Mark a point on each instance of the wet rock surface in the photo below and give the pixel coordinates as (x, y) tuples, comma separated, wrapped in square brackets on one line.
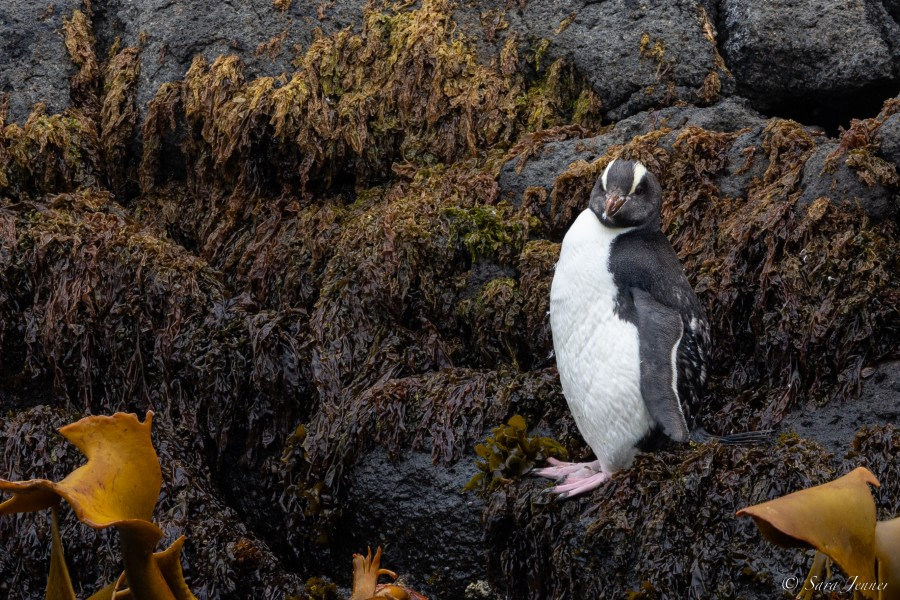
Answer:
[(331, 285)]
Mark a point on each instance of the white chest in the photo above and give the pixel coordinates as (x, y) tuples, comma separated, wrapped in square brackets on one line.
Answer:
[(597, 353)]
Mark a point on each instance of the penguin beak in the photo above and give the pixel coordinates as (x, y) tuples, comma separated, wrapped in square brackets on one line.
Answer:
[(613, 203)]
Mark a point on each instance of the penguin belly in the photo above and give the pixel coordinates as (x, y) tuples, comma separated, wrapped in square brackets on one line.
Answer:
[(597, 353)]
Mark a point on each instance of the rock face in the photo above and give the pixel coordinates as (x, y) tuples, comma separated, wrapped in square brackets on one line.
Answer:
[(33, 63), (330, 276), (266, 34), (823, 54), (636, 55)]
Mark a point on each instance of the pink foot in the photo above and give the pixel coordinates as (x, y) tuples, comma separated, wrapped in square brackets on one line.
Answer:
[(563, 470), (578, 478), (574, 486)]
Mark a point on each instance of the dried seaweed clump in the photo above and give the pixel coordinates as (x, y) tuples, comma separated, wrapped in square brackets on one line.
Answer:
[(49, 153), (408, 86), (509, 453), (657, 529), (87, 145), (861, 145)]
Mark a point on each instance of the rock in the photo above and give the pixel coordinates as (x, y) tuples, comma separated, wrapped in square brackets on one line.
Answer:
[(171, 34), (840, 183), (554, 158), (635, 55), (816, 54), (429, 529), (34, 65), (835, 424), (890, 139), (542, 169)]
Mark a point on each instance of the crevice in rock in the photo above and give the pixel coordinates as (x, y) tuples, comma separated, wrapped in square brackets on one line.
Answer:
[(107, 26), (832, 112)]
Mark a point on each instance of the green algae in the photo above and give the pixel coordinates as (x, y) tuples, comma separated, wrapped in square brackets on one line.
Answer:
[(490, 232)]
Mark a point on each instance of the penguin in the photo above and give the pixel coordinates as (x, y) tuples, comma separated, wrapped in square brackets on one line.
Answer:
[(631, 338)]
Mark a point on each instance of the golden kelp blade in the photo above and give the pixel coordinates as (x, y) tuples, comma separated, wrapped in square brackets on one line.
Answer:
[(366, 570), (837, 518), (120, 481), (887, 550), (107, 593), (59, 585), (168, 562), (118, 486)]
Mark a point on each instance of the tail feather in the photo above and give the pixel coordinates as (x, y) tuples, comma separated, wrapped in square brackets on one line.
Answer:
[(745, 438)]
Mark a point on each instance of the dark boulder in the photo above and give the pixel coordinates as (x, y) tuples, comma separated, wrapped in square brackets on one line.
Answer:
[(826, 60), (417, 511), (833, 179)]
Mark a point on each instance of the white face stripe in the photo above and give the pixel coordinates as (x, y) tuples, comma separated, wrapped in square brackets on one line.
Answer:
[(606, 172), (638, 174)]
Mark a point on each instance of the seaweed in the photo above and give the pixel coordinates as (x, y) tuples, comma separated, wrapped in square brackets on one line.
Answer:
[(656, 530), (87, 82), (508, 454), (860, 143), (406, 90), (51, 153), (118, 120), (88, 145)]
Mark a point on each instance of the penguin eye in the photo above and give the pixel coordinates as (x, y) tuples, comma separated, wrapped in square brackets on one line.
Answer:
[(640, 188)]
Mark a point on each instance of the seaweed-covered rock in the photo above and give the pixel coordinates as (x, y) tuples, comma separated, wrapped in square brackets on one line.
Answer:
[(33, 63), (539, 159), (656, 530), (890, 139), (636, 56), (834, 425), (266, 34), (839, 182), (818, 55)]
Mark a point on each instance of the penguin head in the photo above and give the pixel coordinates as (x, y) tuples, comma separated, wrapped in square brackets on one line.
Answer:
[(626, 195)]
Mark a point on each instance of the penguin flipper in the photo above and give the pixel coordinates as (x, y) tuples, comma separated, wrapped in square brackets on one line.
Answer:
[(660, 330)]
